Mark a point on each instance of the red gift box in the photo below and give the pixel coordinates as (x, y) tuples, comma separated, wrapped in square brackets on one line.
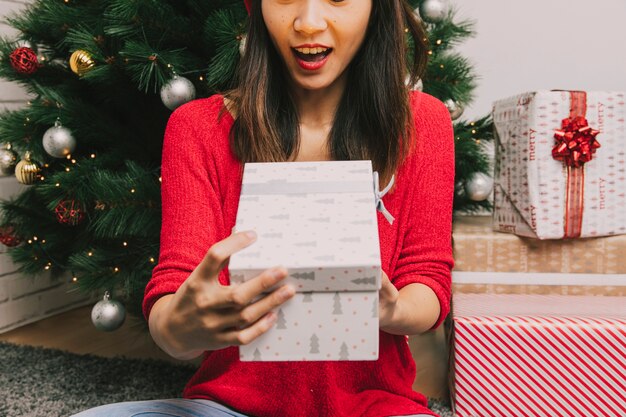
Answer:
[(538, 355)]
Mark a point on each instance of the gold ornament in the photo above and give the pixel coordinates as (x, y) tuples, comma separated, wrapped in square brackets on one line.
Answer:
[(27, 171), (81, 62)]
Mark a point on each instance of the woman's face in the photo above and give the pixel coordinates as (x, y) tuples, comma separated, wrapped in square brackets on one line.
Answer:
[(317, 39)]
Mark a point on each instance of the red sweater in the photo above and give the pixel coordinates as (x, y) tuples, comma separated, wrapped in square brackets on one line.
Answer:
[(201, 183)]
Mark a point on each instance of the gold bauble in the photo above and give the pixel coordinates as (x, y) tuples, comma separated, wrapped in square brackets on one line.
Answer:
[(81, 62), (26, 171)]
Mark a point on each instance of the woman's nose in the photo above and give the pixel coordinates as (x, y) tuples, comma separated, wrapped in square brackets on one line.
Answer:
[(311, 17)]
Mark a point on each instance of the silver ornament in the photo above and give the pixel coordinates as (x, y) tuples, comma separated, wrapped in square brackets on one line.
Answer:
[(177, 91), (479, 186), (455, 109), (242, 45), (44, 53), (418, 86), (434, 11), (108, 315), (60, 63), (8, 160), (23, 43), (58, 141)]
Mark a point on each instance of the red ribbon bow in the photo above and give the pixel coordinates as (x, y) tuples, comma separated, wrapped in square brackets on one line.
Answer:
[(575, 142), (248, 5)]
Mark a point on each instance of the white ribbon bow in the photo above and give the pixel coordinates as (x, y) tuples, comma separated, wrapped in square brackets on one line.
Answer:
[(380, 206)]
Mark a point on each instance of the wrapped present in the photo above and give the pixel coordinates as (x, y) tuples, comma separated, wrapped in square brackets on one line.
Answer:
[(317, 219), (477, 248), (560, 164), (537, 352)]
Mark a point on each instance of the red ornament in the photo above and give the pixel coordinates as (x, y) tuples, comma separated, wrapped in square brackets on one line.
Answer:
[(8, 237), (575, 142), (69, 212), (24, 60)]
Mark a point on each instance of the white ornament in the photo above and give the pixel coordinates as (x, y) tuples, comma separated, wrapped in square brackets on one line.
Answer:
[(418, 86), (455, 109), (8, 160), (108, 315), (177, 91), (434, 11), (58, 141), (479, 186)]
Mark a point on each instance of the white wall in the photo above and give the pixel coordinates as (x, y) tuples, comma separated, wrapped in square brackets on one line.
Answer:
[(526, 45)]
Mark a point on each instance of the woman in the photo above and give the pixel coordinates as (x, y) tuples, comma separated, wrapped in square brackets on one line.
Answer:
[(320, 80)]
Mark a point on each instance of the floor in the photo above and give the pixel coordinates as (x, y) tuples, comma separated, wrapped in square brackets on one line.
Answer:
[(73, 331)]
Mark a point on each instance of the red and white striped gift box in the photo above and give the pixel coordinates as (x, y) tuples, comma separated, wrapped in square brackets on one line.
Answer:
[(539, 355)]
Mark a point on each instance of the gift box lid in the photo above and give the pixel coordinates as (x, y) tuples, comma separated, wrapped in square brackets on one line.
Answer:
[(317, 219)]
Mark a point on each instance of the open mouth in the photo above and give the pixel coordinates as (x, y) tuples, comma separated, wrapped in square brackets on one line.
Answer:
[(317, 54)]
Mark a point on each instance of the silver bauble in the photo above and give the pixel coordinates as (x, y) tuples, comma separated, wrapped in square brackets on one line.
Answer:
[(108, 315), (60, 63), (44, 53), (23, 43), (58, 141), (177, 91), (418, 86), (242, 45), (479, 186), (434, 11), (8, 160), (455, 109)]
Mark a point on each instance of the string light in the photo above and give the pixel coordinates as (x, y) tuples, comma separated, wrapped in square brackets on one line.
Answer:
[(67, 169), (43, 241), (35, 238), (125, 244), (151, 259), (439, 41), (116, 269), (132, 190), (89, 253), (93, 155), (74, 279), (57, 184)]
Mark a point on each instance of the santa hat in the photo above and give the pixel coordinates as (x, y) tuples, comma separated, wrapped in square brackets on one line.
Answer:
[(248, 5)]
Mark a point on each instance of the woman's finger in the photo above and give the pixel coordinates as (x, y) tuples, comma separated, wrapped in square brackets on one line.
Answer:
[(247, 335), (218, 254), (253, 312)]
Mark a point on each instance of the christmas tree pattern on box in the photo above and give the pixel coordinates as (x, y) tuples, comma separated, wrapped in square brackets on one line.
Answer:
[(320, 326)]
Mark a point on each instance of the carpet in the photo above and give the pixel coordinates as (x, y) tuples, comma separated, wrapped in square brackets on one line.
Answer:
[(39, 382)]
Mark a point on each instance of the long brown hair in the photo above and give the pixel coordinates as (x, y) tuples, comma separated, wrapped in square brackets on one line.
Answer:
[(373, 112)]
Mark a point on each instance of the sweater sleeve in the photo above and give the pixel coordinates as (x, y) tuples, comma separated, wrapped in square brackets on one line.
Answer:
[(426, 253), (191, 209)]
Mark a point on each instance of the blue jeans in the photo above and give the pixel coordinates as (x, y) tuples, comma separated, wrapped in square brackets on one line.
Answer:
[(174, 407)]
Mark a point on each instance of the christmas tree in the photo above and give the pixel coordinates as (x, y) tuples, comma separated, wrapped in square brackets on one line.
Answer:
[(104, 77)]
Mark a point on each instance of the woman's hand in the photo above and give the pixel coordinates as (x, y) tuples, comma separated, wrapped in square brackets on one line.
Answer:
[(205, 315), (412, 310)]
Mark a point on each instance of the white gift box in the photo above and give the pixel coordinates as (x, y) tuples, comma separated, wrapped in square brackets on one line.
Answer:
[(539, 196), (318, 220)]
